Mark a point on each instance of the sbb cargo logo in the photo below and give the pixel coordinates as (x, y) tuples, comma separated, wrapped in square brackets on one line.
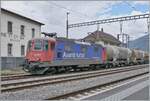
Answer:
[(73, 55)]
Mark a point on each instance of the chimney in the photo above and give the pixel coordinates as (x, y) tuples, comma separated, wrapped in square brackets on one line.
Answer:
[(101, 29), (89, 33)]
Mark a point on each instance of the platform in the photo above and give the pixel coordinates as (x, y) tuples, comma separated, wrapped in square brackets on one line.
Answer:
[(137, 89)]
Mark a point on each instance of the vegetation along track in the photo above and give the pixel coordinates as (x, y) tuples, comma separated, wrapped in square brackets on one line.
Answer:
[(45, 81)]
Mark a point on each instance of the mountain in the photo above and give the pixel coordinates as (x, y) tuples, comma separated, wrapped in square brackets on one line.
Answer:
[(141, 43)]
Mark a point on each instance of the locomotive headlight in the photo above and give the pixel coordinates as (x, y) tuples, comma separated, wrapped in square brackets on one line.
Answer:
[(37, 58), (37, 55)]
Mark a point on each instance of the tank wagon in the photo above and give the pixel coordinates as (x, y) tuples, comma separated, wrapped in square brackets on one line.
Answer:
[(138, 56), (48, 55), (117, 55), (124, 54)]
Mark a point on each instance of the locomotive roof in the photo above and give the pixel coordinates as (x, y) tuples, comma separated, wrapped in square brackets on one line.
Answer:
[(44, 38), (67, 40), (75, 41)]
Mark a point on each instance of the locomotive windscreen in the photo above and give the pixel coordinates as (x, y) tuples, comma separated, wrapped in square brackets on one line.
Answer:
[(37, 45)]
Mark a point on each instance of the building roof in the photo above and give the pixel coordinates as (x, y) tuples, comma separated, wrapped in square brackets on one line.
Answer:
[(5, 10), (102, 36)]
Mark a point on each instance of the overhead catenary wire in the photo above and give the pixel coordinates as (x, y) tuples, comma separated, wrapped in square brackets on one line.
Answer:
[(71, 10), (133, 7)]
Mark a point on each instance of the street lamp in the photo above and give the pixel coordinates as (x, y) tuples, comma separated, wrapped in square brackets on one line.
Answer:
[(67, 25)]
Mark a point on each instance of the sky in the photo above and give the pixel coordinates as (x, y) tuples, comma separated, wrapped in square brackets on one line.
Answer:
[(53, 15)]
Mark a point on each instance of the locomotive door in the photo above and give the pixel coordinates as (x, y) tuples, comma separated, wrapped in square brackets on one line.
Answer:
[(49, 49), (59, 50)]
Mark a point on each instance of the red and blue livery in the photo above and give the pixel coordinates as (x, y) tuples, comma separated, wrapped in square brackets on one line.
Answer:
[(48, 55)]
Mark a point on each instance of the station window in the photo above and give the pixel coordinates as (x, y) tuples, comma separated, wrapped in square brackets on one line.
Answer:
[(29, 45), (9, 49), (22, 50), (33, 32), (9, 27), (22, 27)]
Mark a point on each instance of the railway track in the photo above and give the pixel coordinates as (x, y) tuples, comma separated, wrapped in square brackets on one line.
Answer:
[(21, 76), (13, 86), (81, 94), (15, 77), (26, 76)]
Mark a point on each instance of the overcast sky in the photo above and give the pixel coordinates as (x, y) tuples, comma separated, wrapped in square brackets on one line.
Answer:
[(53, 15)]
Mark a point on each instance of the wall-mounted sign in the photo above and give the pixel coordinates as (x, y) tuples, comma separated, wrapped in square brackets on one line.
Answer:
[(12, 37), (3, 34)]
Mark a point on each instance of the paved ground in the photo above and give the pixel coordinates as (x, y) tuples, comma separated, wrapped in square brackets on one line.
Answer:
[(138, 90), (143, 94)]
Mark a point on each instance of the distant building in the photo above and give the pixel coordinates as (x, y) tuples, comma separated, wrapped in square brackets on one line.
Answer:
[(102, 36), (16, 30)]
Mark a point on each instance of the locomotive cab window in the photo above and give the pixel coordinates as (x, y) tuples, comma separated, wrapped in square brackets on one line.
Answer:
[(46, 45), (37, 45)]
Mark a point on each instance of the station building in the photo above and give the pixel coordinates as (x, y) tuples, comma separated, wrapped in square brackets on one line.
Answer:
[(101, 36), (16, 30)]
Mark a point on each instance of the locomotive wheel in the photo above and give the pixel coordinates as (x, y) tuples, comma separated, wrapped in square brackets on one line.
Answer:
[(90, 67), (109, 66), (97, 67), (51, 71), (67, 69), (106, 66)]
